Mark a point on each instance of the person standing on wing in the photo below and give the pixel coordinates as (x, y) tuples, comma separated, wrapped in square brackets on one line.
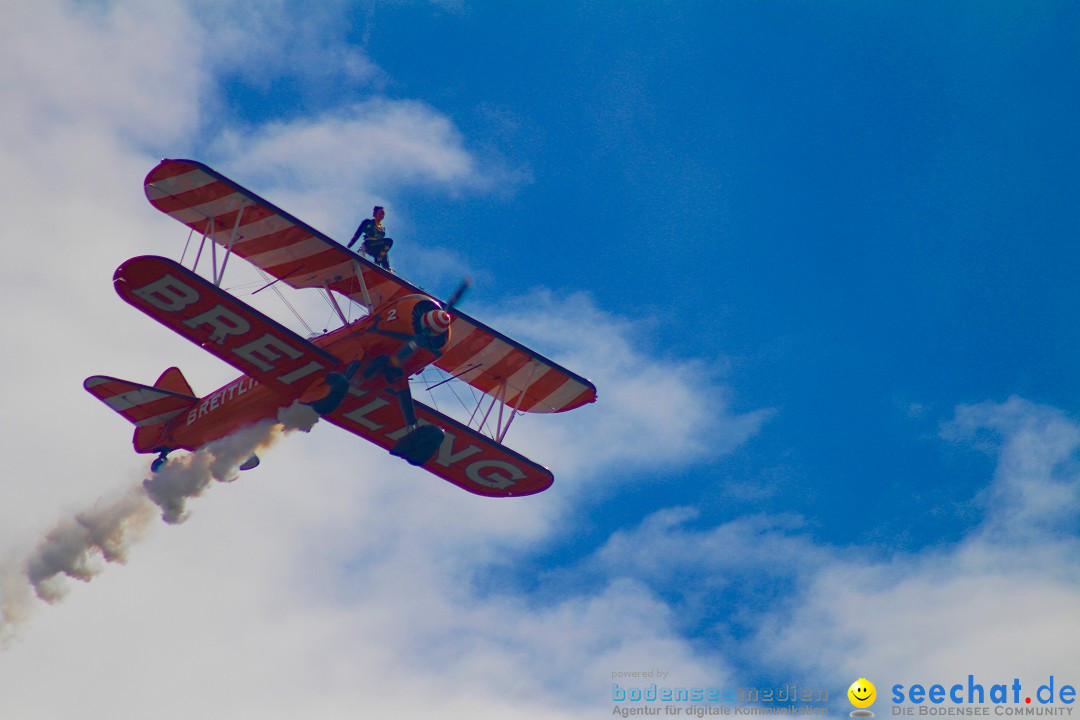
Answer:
[(375, 244)]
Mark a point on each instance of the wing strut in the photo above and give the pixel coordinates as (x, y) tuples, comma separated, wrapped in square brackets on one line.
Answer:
[(496, 397), (187, 245), (363, 285), (454, 377), (202, 244), (514, 410), (334, 302), (509, 404), (219, 275)]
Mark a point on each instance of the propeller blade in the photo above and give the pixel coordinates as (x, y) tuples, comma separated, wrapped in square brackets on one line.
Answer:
[(456, 297)]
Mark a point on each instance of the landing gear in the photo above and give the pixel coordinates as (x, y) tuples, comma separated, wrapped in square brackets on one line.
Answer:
[(420, 445), (338, 384), (423, 441), (159, 461)]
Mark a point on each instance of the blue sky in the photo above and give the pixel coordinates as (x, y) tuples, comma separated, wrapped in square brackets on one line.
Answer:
[(859, 212), (818, 258)]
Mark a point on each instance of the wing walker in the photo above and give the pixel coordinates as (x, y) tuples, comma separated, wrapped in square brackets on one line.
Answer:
[(355, 376)]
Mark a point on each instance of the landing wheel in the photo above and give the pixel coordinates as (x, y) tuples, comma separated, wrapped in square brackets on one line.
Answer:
[(160, 461), (420, 445)]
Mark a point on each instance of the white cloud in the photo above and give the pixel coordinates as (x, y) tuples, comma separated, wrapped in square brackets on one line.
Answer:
[(118, 70), (261, 42), (388, 141), (73, 210), (999, 603), (332, 168), (1035, 489)]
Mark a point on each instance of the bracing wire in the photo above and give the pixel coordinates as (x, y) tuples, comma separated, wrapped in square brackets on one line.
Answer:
[(442, 377), (477, 397), (277, 291)]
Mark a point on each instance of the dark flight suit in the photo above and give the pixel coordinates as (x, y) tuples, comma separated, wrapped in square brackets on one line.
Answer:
[(375, 244)]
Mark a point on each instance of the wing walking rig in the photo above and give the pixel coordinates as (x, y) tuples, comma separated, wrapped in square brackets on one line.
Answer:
[(355, 377)]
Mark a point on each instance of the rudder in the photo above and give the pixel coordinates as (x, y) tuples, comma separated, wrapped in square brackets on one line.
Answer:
[(174, 381)]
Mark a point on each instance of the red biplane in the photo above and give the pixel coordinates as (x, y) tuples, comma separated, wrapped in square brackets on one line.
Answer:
[(356, 377)]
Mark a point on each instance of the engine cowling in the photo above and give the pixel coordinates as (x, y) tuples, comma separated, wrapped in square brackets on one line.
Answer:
[(431, 325)]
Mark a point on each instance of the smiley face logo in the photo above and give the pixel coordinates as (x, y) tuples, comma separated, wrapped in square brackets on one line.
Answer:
[(862, 693)]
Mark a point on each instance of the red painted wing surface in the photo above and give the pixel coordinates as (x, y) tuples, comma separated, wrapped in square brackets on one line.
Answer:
[(219, 323), (466, 458)]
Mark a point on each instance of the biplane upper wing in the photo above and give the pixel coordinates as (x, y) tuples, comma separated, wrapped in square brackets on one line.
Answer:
[(219, 323), (265, 235), (302, 257), (466, 458)]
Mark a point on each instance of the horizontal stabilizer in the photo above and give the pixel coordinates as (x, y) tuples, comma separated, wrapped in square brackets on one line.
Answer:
[(142, 405)]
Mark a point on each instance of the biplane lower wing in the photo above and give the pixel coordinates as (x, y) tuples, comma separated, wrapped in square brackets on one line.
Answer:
[(213, 319), (466, 458)]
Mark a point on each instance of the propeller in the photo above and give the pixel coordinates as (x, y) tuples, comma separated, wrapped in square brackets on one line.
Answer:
[(456, 296)]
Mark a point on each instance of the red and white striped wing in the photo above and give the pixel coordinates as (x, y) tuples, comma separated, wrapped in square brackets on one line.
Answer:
[(466, 458), (509, 371), (302, 257), (264, 234)]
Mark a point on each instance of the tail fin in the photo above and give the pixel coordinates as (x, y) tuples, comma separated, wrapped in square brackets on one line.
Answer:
[(148, 408), (173, 380)]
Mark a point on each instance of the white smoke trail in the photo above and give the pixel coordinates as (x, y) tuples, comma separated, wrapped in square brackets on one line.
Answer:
[(187, 477), (76, 546), (71, 548)]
